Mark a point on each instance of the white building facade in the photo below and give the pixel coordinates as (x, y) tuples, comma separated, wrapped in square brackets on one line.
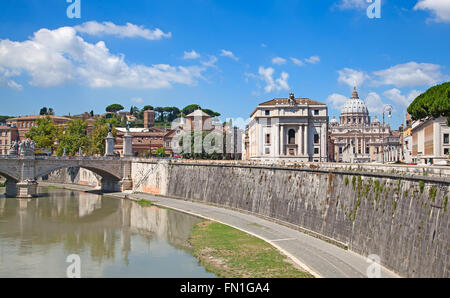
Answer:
[(288, 129), (431, 141)]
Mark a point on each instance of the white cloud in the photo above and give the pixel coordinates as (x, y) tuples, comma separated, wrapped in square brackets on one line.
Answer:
[(278, 61), (129, 30), (410, 74), (137, 100), (229, 54), (191, 55), (396, 96), (313, 59), (352, 77), (352, 4), (374, 103), (439, 8), (266, 74), (211, 62), (5, 74), (297, 62), (56, 57), (337, 100)]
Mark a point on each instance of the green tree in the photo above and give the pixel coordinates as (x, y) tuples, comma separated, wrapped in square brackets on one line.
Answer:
[(211, 113), (43, 111), (160, 111), (97, 138), (134, 111), (73, 138), (190, 109), (435, 102), (4, 118), (160, 152), (44, 134), (114, 108)]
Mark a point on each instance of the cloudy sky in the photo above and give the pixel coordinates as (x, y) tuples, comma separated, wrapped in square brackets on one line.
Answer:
[(228, 56)]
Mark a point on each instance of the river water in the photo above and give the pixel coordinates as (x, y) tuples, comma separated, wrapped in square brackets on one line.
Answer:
[(112, 237)]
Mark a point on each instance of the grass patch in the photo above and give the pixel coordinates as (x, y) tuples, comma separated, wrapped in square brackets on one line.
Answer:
[(422, 186), (230, 253), (51, 187), (145, 203)]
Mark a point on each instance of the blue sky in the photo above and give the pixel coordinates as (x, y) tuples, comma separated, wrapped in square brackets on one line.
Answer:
[(228, 56)]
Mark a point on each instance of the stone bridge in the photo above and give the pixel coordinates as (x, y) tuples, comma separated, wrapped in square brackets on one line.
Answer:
[(23, 172)]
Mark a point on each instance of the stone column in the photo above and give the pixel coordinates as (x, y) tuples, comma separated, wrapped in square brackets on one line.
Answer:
[(109, 145), (306, 140), (277, 139), (282, 141), (261, 140), (127, 145), (301, 138)]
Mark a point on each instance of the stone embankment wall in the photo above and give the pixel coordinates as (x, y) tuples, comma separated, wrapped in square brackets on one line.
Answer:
[(402, 218)]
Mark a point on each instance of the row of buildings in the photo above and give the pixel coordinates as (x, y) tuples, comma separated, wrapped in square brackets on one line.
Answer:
[(145, 140), (298, 129), (284, 129)]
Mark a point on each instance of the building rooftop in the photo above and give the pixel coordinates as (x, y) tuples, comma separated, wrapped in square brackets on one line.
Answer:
[(198, 113), (285, 101), (34, 117)]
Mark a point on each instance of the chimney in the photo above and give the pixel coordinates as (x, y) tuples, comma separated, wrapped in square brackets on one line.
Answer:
[(149, 118)]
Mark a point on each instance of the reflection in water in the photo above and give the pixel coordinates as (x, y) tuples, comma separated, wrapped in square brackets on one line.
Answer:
[(114, 238)]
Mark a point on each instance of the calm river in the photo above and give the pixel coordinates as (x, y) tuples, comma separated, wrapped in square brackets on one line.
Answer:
[(112, 237)]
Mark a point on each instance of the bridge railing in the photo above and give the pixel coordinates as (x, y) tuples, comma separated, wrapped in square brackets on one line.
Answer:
[(59, 158)]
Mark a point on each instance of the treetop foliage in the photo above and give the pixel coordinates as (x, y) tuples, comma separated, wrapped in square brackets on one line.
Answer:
[(435, 102)]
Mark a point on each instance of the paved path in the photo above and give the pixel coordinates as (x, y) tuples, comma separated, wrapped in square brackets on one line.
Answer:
[(318, 257)]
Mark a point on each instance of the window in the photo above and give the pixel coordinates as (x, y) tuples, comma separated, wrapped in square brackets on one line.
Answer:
[(267, 138), (316, 112), (291, 134), (446, 151), (367, 150), (446, 138), (267, 150), (316, 150), (267, 112), (340, 150), (316, 139)]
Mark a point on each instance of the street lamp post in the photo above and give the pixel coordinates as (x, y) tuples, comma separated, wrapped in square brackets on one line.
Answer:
[(386, 108)]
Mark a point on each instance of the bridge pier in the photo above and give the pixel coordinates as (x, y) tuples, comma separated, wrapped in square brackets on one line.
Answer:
[(126, 184), (22, 189), (11, 189), (110, 185), (27, 189)]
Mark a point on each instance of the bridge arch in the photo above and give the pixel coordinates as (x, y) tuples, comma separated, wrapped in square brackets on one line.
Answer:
[(101, 172), (110, 178), (8, 175)]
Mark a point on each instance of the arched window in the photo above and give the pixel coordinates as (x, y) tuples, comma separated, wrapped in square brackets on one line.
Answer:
[(291, 134)]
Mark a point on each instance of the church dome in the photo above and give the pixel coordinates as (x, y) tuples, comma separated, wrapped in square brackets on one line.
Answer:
[(355, 105), (334, 121)]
